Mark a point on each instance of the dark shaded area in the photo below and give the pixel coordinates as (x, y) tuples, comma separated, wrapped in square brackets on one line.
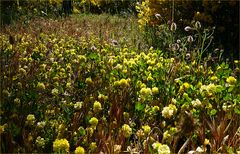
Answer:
[(224, 17), (67, 7), (121, 7), (8, 11)]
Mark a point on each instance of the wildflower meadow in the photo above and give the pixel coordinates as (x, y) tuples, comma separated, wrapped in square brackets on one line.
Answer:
[(116, 82)]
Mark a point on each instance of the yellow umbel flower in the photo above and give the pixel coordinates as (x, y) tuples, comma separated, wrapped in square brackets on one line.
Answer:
[(231, 80), (60, 145), (93, 121), (126, 130), (79, 150)]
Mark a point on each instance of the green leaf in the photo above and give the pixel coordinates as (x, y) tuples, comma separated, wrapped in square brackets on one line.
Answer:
[(82, 131), (93, 56), (230, 88), (213, 112), (237, 111), (139, 106)]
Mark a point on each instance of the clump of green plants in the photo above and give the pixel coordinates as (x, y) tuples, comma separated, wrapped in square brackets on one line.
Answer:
[(64, 93)]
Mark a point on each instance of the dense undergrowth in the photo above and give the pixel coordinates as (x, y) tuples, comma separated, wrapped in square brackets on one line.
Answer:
[(80, 85)]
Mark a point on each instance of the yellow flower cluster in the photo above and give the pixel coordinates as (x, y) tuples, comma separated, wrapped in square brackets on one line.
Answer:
[(161, 148), (145, 92), (126, 130), (79, 150), (30, 119), (93, 121), (146, 129), (169, 111), (144, 13), (78, 105), (122, 83), (208, 89), (231, 80), (97, 106), (61, 145)]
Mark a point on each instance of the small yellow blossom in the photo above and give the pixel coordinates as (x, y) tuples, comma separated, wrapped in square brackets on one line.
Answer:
[(155, 90), (55, 91), (97, 106), (89, 80), (145, 91), (93, 121), (1, 129), (93, 146), (79, 150), (186, 85), (169, 111), (78, 105), (196, 103), (40, 86), (146, 129), (124, 83), (126, 130), (231, 80), (213, 78), (164, 149), (30, 117), (206, 142), (166, 135), (60, 145), (40, 142)]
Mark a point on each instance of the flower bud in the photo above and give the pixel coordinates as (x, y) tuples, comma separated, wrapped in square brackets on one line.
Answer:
[(188, 28), (190, 38), (173, 26), (197, 25)]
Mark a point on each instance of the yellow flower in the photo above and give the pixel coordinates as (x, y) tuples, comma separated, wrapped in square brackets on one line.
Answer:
[(93, 146), (40, 142), (166, 135), (60, 145), (164, 149), (145, 91), (213, 78), (146, 129), (1, 129), (93, 121), (126, 130), (124, 83), (78, 105), (55, 91), (155, 90), (231, 80), (155, 108), (186, 85), (40, 86), (89, 80), (206, 142), (169, 111), (30, 117), (97, 106), (196, 103), (79, 150)]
